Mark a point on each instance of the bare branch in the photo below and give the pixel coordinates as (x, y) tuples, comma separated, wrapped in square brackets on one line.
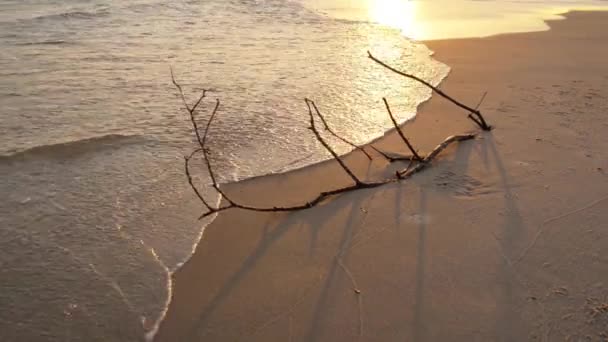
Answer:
[(400, 174), (481, 121), (191, 182), (398, 129), (327, 128), (475, 120), (202, 141)]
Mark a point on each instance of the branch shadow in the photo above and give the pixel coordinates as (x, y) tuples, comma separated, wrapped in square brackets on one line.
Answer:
[(350, 226), (510, 230), (323, 301), (418, 330), (314, 228), (459, 165), (270, 236), (510, 234), (344, 203)]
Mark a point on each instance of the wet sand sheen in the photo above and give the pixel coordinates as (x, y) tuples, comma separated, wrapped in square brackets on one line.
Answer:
[(499, 240)]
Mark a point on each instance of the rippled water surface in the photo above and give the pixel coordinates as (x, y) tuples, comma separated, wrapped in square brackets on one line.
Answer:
[(96, 211)]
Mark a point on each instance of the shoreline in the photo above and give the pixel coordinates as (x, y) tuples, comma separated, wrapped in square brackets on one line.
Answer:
[(563, 16), (248, 189)]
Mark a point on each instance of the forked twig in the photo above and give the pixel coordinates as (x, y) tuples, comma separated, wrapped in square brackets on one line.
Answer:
[(327, 128)]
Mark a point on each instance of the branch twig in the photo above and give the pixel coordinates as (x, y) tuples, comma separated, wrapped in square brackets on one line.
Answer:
[(327, 128), (327, 147), (481, 122)]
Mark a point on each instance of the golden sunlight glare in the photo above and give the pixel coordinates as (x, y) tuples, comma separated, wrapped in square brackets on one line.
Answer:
[(400, 14)]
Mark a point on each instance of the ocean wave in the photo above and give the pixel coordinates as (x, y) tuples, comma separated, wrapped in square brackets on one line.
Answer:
[(73, 148), (44, 42), (73, 15)]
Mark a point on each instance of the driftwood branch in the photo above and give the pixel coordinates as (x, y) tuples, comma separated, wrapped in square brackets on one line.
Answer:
[(474, 115), (416, 161), (331, 131)]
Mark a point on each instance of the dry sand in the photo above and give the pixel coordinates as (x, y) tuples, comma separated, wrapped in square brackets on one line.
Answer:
[(504, 238)]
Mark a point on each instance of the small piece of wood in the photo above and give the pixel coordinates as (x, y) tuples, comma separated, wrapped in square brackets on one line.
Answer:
[(398, 129), (420, 166)]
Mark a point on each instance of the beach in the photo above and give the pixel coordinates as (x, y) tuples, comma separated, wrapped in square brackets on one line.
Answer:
[(501, 239), (96, 211)]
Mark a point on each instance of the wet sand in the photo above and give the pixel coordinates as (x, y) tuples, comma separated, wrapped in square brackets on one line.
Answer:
[(502, 239)]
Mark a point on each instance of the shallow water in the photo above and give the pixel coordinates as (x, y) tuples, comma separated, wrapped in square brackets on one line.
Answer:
[(96, 211)]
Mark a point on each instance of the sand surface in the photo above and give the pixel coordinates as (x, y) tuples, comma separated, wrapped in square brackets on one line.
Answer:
[(504, 238)]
